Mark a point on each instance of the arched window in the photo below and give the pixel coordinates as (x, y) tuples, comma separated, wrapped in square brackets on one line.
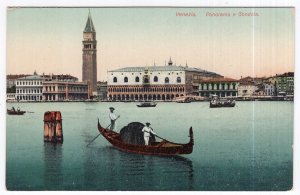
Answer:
[(155, 79), (178, 80), (167, 80), (137, 79), (146, 80), (125, 79), (115, 80)]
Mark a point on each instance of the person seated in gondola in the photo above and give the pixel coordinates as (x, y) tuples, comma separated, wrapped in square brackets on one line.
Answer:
[(18, 109), (147, 130)]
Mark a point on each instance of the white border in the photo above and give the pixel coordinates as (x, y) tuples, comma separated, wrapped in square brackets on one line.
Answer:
[(101, 3)]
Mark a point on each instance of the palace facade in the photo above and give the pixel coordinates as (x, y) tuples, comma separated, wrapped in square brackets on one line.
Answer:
[(64, 88), (163, 83), (63, 91)]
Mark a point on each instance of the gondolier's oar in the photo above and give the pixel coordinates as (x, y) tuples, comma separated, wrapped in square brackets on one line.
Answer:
[(93, 140), (100, 133), (156, 135), (159, 137)]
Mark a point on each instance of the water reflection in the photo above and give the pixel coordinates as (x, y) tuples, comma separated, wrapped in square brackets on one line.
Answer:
[(112, 169), (53, 177)]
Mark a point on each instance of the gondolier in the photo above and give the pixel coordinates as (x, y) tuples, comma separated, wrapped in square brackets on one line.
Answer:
[(113, 117), (147, 130)]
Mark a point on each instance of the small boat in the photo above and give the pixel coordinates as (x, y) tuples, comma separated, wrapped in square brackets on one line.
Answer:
[(183, 100), (15, 112), (216, 102), (147, 104), (163, 148)]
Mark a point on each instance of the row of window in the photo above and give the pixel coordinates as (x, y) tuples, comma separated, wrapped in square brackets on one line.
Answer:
[(63, 88), (29, 82), (150, 73), (221, 94), (29, 90), (143, 97), (218, 86), (34, 91), (139, 90), (145, 80), (33, 98)]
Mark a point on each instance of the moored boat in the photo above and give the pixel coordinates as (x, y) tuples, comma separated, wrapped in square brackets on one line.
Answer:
[(184, 100), (15, 112), (147, 104), (163, 147)]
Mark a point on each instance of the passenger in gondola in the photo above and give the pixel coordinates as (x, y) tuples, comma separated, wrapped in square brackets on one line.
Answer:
[(147, 130), (113, 117), (18, 109)]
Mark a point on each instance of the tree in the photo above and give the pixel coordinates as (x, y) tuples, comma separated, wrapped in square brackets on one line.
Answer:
[(11, 89)]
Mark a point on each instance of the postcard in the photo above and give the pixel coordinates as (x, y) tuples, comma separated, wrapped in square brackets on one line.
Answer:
[(150, 98)]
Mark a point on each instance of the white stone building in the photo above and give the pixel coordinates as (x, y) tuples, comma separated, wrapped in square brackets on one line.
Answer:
[(270, 89), (155, 82), (29, 88), (247, 89)]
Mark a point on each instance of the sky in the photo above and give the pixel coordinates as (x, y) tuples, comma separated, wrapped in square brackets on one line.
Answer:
[(49, 40)]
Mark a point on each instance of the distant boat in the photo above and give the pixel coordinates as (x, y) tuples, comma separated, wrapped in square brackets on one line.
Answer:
[(15, 112), (146, 104), (184, 100), (217, 102), (163, 148)]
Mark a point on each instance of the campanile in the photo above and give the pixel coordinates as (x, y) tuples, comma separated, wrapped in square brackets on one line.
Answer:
[(89, 55)]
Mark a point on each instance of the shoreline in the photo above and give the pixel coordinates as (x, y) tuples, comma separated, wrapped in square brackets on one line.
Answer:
[(239, 100)]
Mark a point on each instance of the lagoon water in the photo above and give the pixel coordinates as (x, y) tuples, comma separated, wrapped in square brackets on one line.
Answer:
[(248, 147)]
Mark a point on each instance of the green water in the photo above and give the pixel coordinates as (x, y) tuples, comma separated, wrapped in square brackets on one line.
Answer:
[(248, 147)]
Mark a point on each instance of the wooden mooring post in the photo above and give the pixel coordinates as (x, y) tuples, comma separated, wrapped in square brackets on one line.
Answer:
[(53, 127)]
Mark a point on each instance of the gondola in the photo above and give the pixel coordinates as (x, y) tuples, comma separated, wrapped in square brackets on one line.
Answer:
[(217, 102), (221, 103), (183, 100), (163, 148), (15, 112), (146, 104)]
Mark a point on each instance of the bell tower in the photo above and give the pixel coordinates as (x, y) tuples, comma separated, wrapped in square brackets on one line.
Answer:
[(89, 56)]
